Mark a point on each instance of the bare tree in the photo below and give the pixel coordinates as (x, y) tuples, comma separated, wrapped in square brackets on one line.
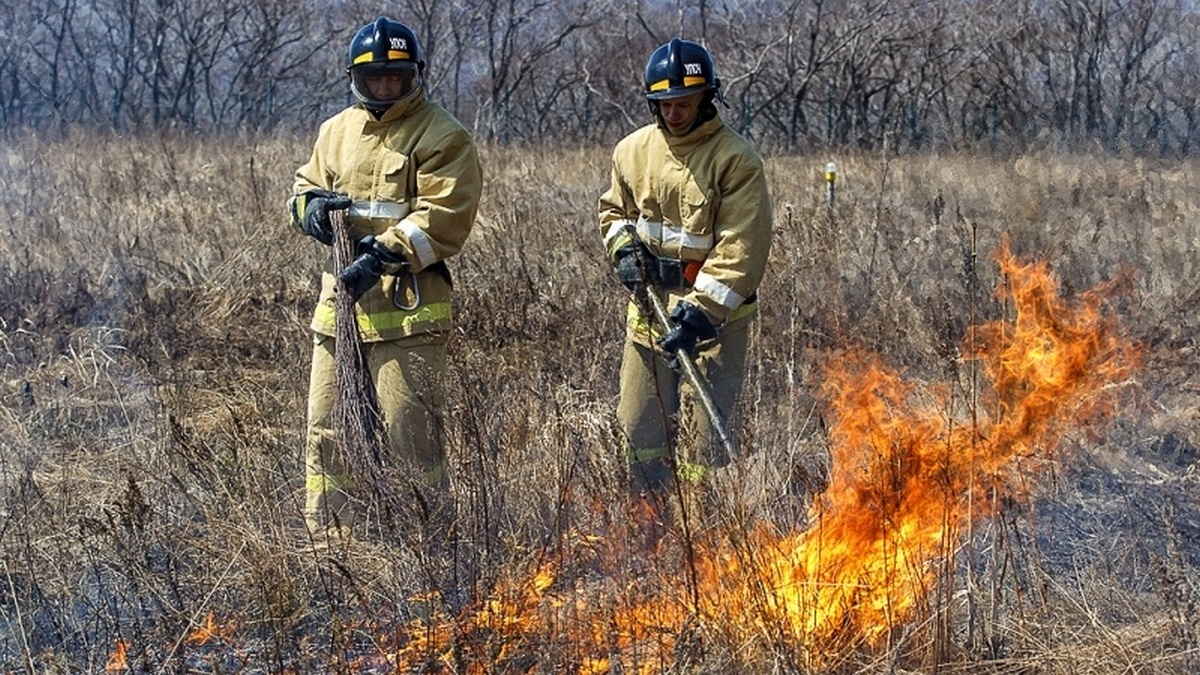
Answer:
[(796, 73), (454, 69), (1140, 31), (271, 53), (12, 99), (520, 36), (117, 23), (50, 45)]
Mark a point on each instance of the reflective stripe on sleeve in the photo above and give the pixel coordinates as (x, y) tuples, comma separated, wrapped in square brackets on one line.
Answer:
[(296, 205), (421, 244), (726, 296), (615, 230), (369, 209)]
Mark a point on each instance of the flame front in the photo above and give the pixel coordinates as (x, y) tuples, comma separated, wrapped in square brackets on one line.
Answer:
[(913, 467), (211, 630), (116, 660)]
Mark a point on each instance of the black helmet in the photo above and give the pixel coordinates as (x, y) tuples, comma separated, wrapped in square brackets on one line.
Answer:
[(678, 68), (384, 47)]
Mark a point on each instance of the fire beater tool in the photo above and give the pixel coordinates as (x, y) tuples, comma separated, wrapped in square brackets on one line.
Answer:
[(688, 366)]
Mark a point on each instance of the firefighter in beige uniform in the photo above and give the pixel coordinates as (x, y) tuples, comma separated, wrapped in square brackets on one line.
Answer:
[(687, 216), (408, 175)]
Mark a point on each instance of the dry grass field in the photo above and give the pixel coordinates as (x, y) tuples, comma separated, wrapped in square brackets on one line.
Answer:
[(963, 456)]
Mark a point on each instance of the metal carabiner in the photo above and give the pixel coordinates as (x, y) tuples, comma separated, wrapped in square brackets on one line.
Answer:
[(416, 294)]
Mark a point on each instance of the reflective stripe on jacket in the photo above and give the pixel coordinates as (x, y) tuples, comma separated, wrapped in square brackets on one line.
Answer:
[(415, 181), (699, 197)]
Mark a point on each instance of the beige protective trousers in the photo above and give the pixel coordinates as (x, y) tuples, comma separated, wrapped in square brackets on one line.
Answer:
[(666, 428), (408, 376)]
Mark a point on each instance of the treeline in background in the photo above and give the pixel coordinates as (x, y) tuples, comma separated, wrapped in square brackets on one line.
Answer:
[(915, 74)]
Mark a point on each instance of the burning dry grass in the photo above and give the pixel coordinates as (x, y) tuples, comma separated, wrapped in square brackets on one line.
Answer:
[(980, 517), (910, 477)]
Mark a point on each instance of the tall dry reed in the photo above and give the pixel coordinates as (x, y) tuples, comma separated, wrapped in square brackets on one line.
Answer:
[(153, 336)]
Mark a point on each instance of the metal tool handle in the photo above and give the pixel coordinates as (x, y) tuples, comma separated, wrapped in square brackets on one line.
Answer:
[(688, 366)]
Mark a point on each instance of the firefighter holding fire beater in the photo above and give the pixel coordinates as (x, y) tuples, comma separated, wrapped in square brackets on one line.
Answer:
[(687, 217), (407, 175)]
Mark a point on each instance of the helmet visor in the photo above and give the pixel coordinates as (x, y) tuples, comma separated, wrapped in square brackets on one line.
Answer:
[(385, 83)]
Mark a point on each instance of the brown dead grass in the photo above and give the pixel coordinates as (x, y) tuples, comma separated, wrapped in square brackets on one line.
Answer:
[(153, 356)]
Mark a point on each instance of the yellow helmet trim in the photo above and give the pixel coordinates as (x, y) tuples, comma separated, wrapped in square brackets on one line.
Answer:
[(366, 57), (691, 81)]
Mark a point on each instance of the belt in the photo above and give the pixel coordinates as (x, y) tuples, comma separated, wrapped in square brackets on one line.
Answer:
[(673, 273)]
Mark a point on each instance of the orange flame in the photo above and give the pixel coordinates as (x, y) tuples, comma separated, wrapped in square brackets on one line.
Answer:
[(209, 631), (913, 468), (116, 660)]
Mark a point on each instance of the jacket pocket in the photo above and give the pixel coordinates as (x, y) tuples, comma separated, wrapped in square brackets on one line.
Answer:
[(395, 185), (697, 209)]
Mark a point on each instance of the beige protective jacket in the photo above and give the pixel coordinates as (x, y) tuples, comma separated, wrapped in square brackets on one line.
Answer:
[(415, 179), (701, 197)]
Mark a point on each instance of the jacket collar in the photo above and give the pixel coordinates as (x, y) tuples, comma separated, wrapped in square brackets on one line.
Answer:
[(682, 145), (402, 108)]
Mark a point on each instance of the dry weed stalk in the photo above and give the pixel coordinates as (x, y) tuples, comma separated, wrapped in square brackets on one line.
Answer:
[(357, 423), (163, 327)]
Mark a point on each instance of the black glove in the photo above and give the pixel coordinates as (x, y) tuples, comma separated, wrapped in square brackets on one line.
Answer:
[(691, 326), (373, 258), (635, 266), (317, 205)]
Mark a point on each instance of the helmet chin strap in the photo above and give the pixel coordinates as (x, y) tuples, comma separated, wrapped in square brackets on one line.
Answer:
[(707, 111), (378, 108)]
